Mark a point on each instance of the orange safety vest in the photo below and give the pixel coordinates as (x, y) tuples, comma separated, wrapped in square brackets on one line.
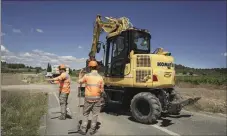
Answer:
[(94, 85), (64, 82)]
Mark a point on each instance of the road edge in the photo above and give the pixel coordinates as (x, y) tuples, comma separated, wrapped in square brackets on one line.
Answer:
[(43, 125), (207, 114)]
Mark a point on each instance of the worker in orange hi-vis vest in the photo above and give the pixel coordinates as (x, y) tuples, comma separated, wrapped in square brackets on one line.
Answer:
[(64, 82), (94, 89)]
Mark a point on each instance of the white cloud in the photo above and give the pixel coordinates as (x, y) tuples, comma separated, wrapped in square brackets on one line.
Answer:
[(2, 34), (3, 49), (225, 54), (41, 58), (27, 54), (39, 30), (16, 30), (80, 47)]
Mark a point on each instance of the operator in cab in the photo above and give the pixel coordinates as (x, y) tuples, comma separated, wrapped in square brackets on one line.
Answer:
[(64, 82), (94, 88)]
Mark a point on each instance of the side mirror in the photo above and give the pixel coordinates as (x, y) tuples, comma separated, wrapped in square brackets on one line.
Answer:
[(99, 45)]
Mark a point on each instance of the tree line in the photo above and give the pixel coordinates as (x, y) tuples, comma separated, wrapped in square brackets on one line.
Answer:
[(200, 71), (17, 66)]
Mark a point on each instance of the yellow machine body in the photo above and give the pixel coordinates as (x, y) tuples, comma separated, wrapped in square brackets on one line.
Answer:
[(146, 71)]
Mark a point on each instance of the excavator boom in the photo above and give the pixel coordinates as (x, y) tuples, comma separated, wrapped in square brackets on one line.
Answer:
[(112, 26)]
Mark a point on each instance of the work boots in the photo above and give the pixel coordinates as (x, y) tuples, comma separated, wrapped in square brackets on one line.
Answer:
[(91, 132), (81, 132), (62, 117)]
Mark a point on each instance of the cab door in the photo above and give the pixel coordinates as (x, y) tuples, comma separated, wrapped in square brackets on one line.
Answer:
[(117, 56)]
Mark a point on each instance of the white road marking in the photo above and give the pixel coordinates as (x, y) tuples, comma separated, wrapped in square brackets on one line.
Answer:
[(165, 130), (56, 97)]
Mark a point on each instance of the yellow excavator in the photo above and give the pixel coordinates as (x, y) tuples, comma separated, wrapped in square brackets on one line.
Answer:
[(135, 78)]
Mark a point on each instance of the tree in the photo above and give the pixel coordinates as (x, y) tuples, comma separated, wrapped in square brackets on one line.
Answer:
[(37, 70), (49, 69), (74, 70), (70, 71)]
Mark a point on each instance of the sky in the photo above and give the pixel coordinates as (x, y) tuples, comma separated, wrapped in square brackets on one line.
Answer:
[(37, 32)]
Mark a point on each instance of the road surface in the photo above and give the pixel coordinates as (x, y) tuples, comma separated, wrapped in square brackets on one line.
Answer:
[(188, 123)]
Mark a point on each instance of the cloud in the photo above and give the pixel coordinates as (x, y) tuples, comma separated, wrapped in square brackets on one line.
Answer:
[(39, 58), (9, 25), (2, 34), (80, 47), (39, 30), (224, 54), (16, 30), (3, 49)]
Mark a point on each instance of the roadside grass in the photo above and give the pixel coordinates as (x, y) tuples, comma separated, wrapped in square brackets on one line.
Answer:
[(21, 112), (21, 79), (209, 82)]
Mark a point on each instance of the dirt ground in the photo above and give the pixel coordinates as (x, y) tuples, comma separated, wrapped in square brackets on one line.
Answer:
[(20, 79), (12, 79), (212, 100)]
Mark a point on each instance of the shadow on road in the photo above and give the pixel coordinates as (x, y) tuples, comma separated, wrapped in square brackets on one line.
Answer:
[(88, 127), (165, 118), (67, 116)]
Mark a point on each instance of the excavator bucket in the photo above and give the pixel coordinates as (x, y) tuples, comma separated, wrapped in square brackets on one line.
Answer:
[(177, 106)]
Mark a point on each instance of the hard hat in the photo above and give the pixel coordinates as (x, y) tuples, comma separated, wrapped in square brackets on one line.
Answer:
[(62, 66), (92, 63)]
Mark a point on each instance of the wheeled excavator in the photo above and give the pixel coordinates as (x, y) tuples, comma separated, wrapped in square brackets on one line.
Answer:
[(139, 80)]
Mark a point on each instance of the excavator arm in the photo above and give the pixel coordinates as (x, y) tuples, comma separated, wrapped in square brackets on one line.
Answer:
[(112, 26)]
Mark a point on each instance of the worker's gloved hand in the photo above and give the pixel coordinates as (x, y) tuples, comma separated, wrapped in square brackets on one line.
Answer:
[(103, 95)]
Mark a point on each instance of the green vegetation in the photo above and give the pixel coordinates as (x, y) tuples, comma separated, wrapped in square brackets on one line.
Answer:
[(21, 112), (18, 68), (214, 76), (49, 68), (196, 80), (70, 71)]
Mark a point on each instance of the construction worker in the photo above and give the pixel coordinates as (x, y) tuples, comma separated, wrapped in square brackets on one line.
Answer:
[(94, 87), (64, 82), (91, 57)]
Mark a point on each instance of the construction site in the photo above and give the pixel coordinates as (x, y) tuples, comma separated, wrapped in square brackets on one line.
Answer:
[(143, 90)]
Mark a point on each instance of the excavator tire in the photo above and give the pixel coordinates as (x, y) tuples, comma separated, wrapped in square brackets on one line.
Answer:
[(145, 108), (176, 98)]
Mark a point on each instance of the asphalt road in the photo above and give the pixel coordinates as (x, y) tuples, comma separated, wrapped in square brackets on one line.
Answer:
[(188, 123)]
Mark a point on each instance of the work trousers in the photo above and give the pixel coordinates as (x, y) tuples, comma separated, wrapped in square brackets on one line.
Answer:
[(63, 98), (93, 107)]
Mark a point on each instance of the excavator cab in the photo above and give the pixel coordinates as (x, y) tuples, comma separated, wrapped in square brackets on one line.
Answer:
[(118, 48)]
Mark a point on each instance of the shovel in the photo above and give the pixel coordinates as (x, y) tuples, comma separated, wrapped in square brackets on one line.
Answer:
[(76, 130)]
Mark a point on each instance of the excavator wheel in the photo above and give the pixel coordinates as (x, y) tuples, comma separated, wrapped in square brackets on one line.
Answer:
[(176, 97), (145, 108)]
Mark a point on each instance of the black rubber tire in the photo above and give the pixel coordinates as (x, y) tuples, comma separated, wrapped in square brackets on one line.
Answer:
[(153, 105), (176, 98)]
